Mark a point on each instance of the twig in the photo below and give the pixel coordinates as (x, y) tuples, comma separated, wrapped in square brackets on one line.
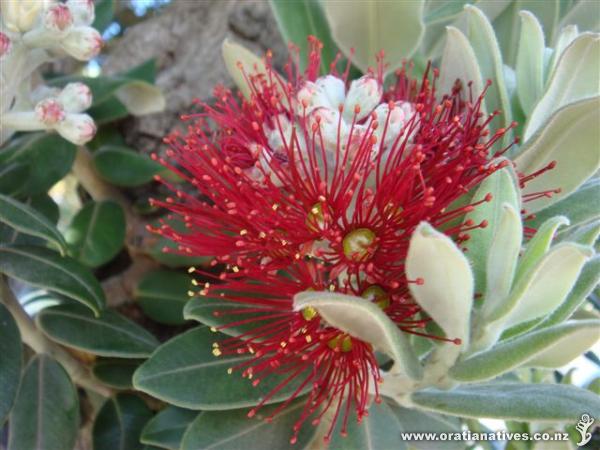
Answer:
[(118, 288), (38, 342), (121, 287)]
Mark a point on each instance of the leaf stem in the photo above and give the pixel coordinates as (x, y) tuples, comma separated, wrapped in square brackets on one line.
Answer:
[(119, 287), (39, 343)]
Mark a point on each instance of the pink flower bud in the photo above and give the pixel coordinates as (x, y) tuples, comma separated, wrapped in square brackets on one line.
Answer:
[(58, 18), (77, 128), (82, 43), (82, 10), (76, 97), (5, 44), (50, 111)]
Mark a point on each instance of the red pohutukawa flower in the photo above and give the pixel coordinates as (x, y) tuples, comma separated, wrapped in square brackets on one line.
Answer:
[(317, 183)]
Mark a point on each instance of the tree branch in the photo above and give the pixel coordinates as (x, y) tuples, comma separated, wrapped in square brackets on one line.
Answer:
[(38, 342)]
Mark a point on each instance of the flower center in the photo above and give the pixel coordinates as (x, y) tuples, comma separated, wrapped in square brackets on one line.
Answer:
[(377, 295), (359, 244), (341, 342), (309, 313)]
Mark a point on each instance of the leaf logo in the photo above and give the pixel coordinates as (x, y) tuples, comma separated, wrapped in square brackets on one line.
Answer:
[(584, 424)]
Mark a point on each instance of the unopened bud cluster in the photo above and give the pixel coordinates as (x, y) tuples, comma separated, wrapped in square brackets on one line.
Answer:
[(31, 33)]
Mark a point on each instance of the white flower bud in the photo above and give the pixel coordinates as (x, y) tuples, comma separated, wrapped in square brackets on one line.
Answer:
[(82, 10), (58, 18), (42, 92), (77, 128), (21, 15), (82, 43), (364, 95), (50, 112), (334, 89), (311, 96), (5, 45), (398, 117), (75, 97), (328, 121)]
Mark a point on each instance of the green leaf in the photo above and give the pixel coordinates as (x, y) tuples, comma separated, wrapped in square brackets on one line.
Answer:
[(226, 430), (570, 131), (459, 63), (368, 27), (415, 421), (446, 291), (46, 269), (503, 256), (502, 186), (537, 349), (184, 372), (105, 11), (374, 432), (109, 135), (163, 294), (576, 207), (299, 19), (167, 428), (574, 79), (42, 204), (453, 15), (119, 423), (530, 62), (13, 178), (442, 10), (512, 401), (584, 14), (202, 309), (109, 334), (27, 220), (366, 321), (116, 373), (10, 362), (171, 258), (594, 386), (46, 412), (97, 233), (483, 41), (586, 234), (565, 38), (539, 244), (506, 24), (107, 111), (123, 166), (234, 55), (544, 287), (587, 281), (48, 158)]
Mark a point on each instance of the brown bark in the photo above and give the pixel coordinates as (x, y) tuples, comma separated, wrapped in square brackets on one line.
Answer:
[(185, 40)]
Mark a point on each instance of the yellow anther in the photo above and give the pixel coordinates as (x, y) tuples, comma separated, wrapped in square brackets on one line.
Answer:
[(309, 313)]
